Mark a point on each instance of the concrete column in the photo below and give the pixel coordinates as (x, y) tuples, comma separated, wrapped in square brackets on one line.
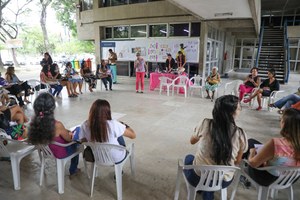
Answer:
[(203, 48), (98, 37)]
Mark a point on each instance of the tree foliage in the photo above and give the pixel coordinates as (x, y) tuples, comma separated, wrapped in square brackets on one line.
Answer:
[(66, 14)]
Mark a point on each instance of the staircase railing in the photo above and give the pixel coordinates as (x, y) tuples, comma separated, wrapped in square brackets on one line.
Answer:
[(261, 34), (286, 53)]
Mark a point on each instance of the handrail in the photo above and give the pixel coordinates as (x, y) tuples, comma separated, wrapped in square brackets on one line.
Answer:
[(261, 34), (287, 53)]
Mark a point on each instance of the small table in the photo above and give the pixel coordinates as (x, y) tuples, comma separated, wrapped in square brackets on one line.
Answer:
[(154, 79)]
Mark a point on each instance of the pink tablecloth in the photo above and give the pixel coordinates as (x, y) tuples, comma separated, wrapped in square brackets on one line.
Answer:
[(154, 79)]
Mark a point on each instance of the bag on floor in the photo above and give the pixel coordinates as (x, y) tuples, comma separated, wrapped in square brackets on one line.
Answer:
[(88, 154)]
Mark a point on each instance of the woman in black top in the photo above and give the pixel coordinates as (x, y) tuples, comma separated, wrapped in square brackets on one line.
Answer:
[(88, 76), (252, 81), (266, 88), (170, 63)]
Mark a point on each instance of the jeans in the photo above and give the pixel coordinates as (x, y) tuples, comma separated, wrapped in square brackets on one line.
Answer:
[(194, 179), (287, 101), (105, 80), (74, 161), (57, 89)]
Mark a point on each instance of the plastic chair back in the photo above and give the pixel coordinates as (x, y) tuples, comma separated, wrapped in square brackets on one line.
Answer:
[(232, 87), (45, 151)]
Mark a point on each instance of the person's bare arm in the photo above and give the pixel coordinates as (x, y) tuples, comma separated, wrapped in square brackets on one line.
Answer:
[(129, 132), (194, 139), (64, 133), (265, 154)]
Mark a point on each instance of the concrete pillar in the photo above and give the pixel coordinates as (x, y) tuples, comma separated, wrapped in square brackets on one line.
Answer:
[(203, 48), (98, 37)]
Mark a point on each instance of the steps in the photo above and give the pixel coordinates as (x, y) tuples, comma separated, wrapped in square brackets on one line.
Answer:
[(272, 54)]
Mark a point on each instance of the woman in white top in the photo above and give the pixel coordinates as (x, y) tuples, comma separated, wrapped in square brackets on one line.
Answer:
[(100, 127), (220, 141)]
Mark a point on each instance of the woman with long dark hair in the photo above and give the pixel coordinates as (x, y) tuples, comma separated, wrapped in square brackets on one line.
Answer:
[(100, 127), (44, 129), (221, 141)]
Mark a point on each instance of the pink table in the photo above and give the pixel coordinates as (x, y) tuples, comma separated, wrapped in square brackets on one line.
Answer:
[(154, 79)]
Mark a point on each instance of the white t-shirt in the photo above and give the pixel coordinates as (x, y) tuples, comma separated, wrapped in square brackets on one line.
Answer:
[(115, 130)]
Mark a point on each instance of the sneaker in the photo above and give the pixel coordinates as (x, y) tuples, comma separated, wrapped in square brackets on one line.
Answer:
[(272, 105), (244, 181)]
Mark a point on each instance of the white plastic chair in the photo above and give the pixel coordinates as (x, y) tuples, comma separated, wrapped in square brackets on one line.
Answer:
[(270, 99), (211, 179), (232, 87), (165, 82), (286, 177), (45, 152), (180, 82), (103, 157), (33, 83), (194, 84), (16, 151)]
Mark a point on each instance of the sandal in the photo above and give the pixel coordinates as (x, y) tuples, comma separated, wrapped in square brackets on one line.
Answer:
[(280, 112), (272, 105)]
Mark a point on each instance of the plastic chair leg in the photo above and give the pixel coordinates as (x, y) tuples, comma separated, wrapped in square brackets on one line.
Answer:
[(42, 170), (60, 165), (94, 167), (118, 173), (291, 193), (224, 194), (177, 188), (191, 192), (15, 166), (86, 169), (132, 163), (263, 193)]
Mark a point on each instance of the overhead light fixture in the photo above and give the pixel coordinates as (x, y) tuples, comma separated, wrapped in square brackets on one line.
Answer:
[(186, 30), (223, 14), (144, 32), (163, 31)]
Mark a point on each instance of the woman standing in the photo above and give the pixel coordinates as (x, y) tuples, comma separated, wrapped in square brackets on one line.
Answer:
[(266, 88), (212, 82), (47, 60), (100, 127), (181, 61), (44, 129), (252, 81), (141, 69), (218, 143)]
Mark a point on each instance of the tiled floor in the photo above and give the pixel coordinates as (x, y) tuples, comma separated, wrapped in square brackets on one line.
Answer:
[(163, 126)]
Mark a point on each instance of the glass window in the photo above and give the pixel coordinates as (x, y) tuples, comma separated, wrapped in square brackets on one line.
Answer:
[(195, 29), (87, 4), (137, 1), (118, 2), (159, 30), (179, 30), (139, 31), (121, 32), (108, 32)]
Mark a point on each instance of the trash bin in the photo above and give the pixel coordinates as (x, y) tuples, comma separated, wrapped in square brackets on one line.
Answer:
[(76, 64), (73, 63), (89, 63)]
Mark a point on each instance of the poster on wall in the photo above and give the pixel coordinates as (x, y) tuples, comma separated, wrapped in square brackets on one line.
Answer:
[(155, 50)]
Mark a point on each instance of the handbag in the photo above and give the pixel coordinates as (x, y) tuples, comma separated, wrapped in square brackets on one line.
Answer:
[(4, 122), (88, 154)]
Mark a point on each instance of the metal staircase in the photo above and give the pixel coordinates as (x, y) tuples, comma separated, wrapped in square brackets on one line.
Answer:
[(271, 53)]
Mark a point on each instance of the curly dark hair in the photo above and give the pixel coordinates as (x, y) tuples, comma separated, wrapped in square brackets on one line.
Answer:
[(42, 126)]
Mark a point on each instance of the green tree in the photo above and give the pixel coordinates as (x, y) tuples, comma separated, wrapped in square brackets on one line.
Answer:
[(66, 14)]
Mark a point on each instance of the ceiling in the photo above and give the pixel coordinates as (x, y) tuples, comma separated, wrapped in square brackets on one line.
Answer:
[(241, 17), (279, 7)]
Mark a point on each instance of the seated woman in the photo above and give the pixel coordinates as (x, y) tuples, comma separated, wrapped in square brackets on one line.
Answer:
[(219, 143), (280, 151), (46, 77), (252, 81), (100, 127), (104, 73), (212, 82), (63, 81), (12, 78), (14, 89), (286, 102), (44, 129), (170, 63), (266, 88), (74, 78), (14, 114), (88, 76)]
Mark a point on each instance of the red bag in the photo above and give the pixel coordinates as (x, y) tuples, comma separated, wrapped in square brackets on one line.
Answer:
[(296, 105)]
